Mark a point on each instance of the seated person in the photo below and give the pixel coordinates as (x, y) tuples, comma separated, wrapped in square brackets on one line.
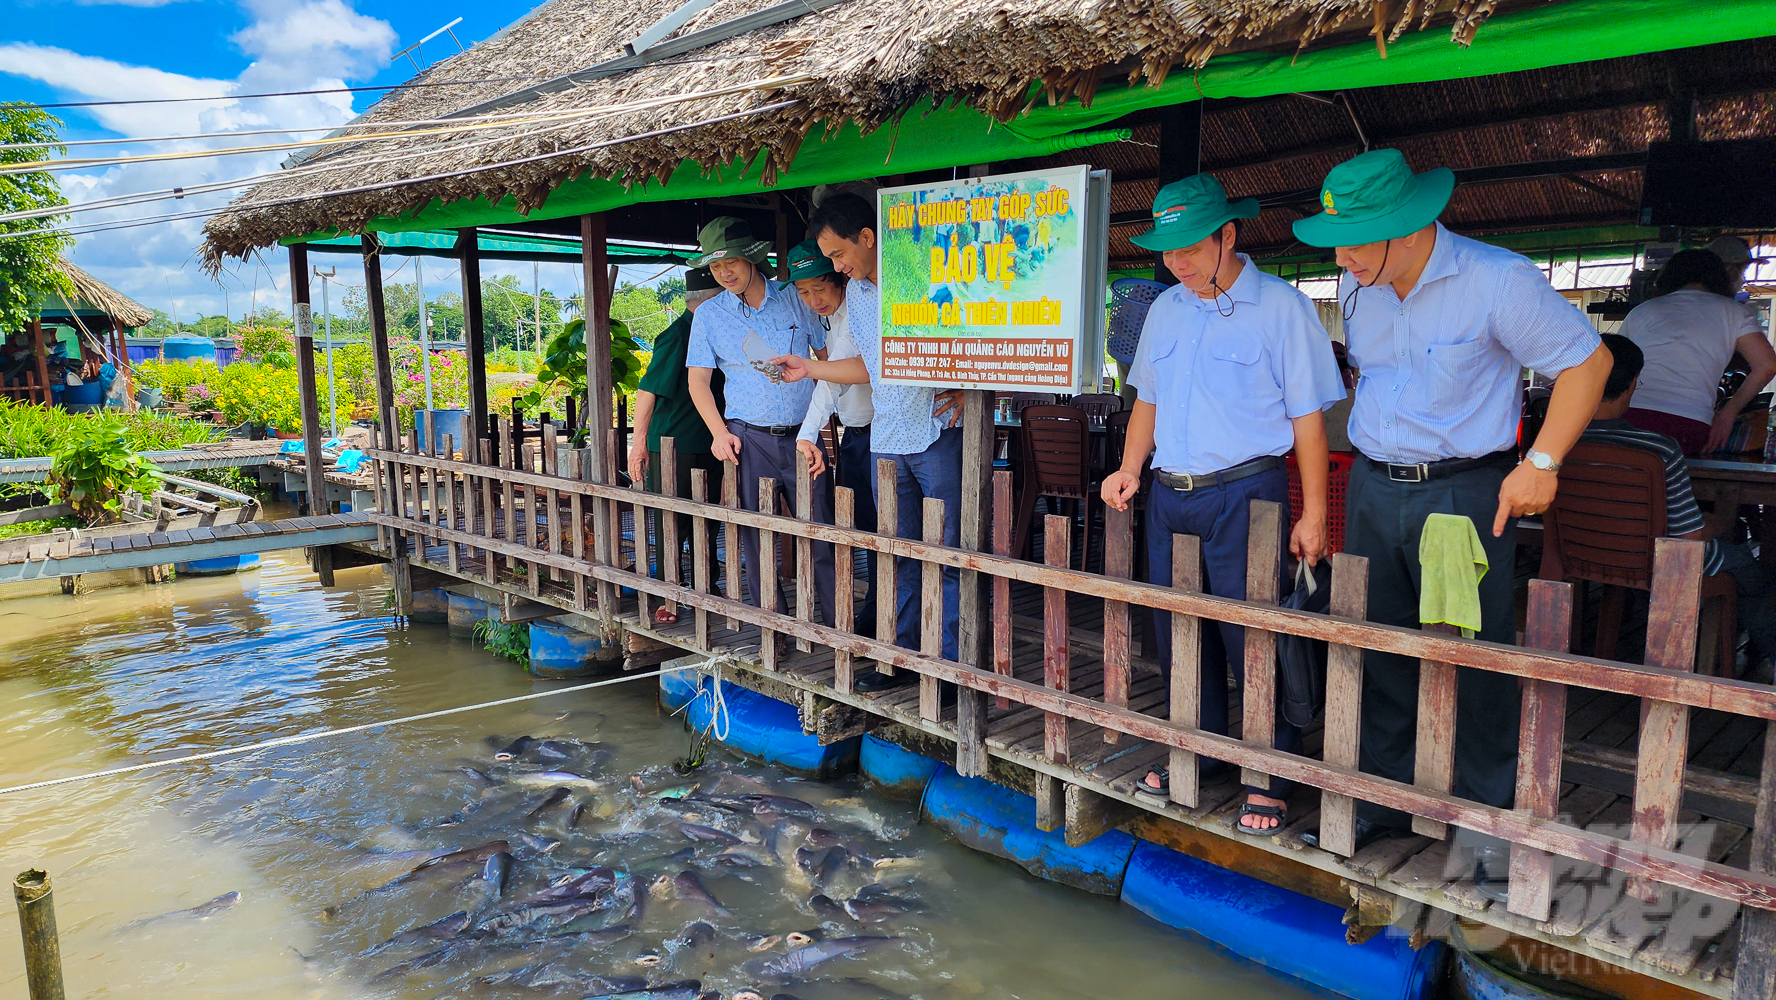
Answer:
[(1683, 519)]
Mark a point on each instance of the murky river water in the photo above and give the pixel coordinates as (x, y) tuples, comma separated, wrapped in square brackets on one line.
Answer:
[(303, 833)]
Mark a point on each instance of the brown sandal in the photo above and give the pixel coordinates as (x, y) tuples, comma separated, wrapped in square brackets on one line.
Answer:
[(664, 615)]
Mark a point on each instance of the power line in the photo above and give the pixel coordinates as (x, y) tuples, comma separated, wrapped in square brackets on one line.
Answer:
[(286, 93), (374, 159), (385, 185), (410, 85)]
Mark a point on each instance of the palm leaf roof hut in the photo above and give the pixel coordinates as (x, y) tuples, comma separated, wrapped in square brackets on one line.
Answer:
[(1544, 108), (94, 311)]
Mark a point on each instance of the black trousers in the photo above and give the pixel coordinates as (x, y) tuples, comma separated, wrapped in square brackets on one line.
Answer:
[(680, 486), (1383, 520), (764, 455)]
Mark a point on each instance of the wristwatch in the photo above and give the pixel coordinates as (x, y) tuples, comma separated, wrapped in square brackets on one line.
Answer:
[(1541, 460)]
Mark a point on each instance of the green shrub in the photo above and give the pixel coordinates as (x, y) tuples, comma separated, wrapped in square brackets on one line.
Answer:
[(94, 467), (29, 431)]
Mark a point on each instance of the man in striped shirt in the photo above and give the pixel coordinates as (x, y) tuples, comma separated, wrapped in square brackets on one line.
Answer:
[(1683, 518)]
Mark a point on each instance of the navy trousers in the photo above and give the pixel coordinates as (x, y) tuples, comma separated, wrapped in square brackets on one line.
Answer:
[(935, 472), (1221, 517), (857, 472)]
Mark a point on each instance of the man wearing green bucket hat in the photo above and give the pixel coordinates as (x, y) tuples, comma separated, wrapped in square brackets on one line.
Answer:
[(738, 332), (664, 408), (1233, 372), (1440, 327)]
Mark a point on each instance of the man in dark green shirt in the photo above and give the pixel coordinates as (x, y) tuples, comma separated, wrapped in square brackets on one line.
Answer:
[(663, 408)]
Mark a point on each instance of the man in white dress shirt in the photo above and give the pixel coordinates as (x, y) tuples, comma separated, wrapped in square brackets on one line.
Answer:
[(823, 290)]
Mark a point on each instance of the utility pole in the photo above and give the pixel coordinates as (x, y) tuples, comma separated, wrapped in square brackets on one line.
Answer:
[(425, 349), (327, 326), (536, 294)]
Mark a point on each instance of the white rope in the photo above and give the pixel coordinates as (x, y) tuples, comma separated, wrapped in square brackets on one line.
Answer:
[(721, 722), (284, 741)]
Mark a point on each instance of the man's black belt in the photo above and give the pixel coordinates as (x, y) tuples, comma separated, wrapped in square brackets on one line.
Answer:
[(780, 431), (1245, 470), (1443, 469)]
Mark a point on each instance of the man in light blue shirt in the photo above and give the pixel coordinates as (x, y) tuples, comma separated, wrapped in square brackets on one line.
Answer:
[(911, 426), (764, 412), (1440, 327), (1232, 372)]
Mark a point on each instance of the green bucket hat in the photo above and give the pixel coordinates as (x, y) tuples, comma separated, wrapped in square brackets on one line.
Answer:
[(725, 238), (1187, 211), (806, 261), (1375, 196)]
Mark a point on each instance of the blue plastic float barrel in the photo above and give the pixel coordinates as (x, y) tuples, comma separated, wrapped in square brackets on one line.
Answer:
[(1281, 930), (762, 727), (894, 768), (431, 605), (557, 651), (1001, 822), (220, 566), (464, 611), (678, 688)]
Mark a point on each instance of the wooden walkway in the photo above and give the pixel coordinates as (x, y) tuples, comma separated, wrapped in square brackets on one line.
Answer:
[(215, 455), (71, 553), (1683, 938)]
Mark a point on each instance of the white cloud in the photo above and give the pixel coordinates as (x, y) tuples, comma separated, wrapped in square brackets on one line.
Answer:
[(294, 45)]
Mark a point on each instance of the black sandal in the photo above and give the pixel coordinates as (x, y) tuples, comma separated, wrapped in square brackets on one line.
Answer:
[(1164, 790), (1278, 813)]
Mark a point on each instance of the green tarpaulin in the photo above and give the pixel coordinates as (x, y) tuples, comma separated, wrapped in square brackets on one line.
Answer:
[(925, 139)]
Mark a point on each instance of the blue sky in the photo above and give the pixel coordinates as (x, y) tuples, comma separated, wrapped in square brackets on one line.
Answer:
[(54, 51)]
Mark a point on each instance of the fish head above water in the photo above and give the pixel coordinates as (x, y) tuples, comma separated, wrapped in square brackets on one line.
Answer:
[(514, 749)]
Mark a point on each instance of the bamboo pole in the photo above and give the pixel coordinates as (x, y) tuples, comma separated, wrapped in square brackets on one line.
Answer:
[(43, 950)]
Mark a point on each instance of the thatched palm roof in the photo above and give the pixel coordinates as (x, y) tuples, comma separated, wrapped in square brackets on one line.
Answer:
[(860, 61), (124, 311)]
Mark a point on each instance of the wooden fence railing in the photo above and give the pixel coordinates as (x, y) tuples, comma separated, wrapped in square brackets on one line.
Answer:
[(542, 527)]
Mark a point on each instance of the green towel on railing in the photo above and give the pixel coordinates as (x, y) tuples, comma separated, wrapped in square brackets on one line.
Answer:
[(1452, 563)]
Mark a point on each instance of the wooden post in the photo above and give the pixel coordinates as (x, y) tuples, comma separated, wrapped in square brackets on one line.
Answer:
[(844, 588), (1003, 514), (315, 465), (1180, 156), (387, 421), (887, 587), (700, 554), (468, 252), (931, 608), (1119, 543), (41, 354), (1186, 687), (1344, 703), (1755, 976), (1263, 556), (731, 536), (1434, 760), (1674, 606), (32, 891), (767, 572), (974, 632), (804, 549), (782, 242), (1541, 747), (595, 262), (669, 540), (1057, 635)]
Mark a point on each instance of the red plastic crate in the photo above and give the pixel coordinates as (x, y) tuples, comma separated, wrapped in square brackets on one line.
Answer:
[(1336, 481)]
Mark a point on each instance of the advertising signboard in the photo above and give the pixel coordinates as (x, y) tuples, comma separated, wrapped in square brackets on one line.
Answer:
[(995, 282)]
